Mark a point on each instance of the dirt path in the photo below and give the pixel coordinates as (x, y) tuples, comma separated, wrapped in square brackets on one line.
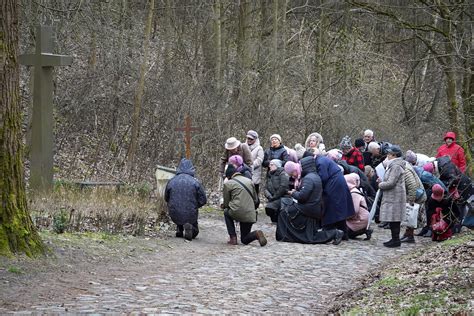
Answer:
[(206, 275)]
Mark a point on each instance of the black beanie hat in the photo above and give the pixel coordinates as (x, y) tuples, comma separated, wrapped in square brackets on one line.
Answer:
[(229, 171), (359, 142)]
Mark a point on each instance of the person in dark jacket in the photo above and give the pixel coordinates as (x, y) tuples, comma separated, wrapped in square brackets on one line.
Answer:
[(276, 151), (277, 187), (300, 221), (240, 166), (239, 205), (337, 197), (185, 195), (379, 152)]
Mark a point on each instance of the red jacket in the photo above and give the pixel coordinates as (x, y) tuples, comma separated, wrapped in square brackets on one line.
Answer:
[(454, 151), (354, 157)]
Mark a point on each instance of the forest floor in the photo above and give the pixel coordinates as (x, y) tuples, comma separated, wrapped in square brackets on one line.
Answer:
[(104, 273)]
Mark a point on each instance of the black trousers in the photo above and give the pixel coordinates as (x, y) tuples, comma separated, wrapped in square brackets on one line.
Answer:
[(246, 235), (273, 214), (180, 228), (353, 234)]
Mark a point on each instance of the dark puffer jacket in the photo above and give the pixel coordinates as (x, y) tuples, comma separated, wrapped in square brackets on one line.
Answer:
[(275, 153), (184, 194), (277, 187), (310, 194)]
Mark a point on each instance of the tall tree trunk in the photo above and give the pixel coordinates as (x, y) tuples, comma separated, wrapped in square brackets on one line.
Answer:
[(17, 232), (139, 94), (218, 23)]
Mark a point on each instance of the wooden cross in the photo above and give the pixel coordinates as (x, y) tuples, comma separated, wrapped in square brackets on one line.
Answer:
[(187, 134), (41, 151)]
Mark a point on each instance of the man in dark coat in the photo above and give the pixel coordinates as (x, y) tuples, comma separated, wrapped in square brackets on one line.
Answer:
[(185, 195), (300, 222), (337, 197)]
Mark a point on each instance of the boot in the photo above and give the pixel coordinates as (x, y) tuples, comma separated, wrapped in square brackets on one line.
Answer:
[(408, 236), (188, 231), (232, 240), (338, 237), (368, 233), (423, 231), (261, 238), (395, 241)]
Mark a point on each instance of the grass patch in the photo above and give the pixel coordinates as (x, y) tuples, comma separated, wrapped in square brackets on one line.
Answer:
[(15, 270), (389, 281), (457, 240)]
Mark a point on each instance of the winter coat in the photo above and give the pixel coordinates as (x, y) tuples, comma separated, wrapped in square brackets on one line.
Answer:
[(184, 194), (412, 184), (428, 180), (449, 173), (277, 187), (421, 160), (309, 195), (275, 153), (238, 201), (337, 198), (245, 171), (354, 158), (454, 151), (393, 204), (360, 219), (243, 151), (257, 156)]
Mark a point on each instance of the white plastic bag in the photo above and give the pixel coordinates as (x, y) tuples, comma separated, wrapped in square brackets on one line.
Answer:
[(411, 215)]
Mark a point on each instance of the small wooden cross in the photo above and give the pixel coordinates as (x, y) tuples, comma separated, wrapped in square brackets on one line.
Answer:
[(42, 140), (187, 134)]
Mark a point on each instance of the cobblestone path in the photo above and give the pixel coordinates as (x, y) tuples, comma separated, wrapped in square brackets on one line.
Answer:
[(208, 276)]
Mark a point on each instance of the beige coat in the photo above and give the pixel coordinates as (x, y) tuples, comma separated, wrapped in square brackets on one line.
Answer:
[(412, 183), (393, 204)]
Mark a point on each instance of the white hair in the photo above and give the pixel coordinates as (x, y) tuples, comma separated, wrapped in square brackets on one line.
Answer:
[(373, 145), (369, 132)]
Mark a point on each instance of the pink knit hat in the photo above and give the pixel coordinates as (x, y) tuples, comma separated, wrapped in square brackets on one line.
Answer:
[(428, 167), (236, 160), (291, 167)]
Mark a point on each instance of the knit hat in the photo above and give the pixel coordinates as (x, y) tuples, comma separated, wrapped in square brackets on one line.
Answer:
[(299, 150), (359, 142), (231, 143), (252, 134), (395, 150), (346, 142), (291, 167), (236, 160), (438, 192), (230, 170), (276, 136), (410, 157), (428, 167), (276, 162)]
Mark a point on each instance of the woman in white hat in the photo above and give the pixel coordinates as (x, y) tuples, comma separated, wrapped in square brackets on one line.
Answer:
[(234, 147)]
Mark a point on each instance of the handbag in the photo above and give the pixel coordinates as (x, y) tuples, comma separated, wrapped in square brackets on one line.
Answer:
[(438, 224), (411, 215)]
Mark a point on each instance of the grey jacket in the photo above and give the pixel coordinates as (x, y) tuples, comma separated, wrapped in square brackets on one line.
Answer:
[(394, 197)]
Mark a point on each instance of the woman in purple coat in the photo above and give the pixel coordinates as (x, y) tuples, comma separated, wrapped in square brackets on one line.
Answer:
[(337, 198)]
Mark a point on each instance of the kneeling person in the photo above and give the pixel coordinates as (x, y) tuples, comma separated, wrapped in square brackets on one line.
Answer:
[(185, 195), (239, 205)]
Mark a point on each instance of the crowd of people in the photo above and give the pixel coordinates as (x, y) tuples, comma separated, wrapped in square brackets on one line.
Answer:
[(314, 195)]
